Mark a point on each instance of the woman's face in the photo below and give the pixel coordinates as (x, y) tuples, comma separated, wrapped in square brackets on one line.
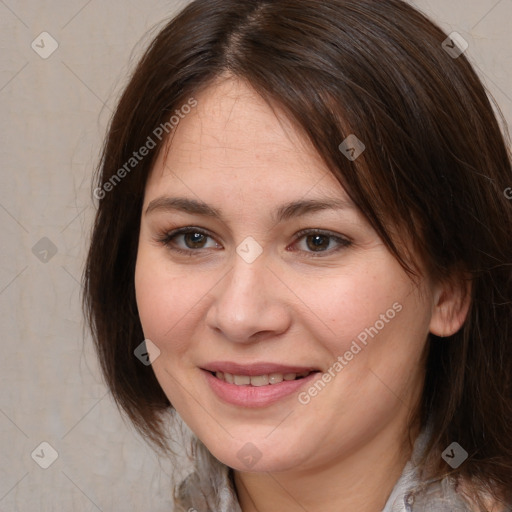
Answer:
[(273, 273)]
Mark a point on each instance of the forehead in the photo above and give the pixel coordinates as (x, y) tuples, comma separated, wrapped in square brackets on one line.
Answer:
[(233, 116), (233, 137)]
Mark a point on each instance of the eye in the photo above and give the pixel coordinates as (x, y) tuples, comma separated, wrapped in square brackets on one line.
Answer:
[(319, 241), (188, 239)]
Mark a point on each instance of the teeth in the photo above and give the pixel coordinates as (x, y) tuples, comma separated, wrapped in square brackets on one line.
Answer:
[(241, 380), (258, 380), (275, 378)]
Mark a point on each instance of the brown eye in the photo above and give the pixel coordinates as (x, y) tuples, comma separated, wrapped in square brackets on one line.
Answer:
[(194, 240), (315, 242), (318, 243), (190, 240)]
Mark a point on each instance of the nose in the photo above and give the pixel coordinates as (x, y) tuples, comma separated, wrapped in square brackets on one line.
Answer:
[(249, 303)]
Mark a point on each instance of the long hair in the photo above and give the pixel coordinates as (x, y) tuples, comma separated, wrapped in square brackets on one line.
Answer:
[(433, 176)]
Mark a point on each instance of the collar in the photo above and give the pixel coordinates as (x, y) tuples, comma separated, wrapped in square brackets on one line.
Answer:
[(210, 487)]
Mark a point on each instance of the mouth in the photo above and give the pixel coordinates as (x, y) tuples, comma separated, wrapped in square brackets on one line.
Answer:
[(267, 379), (258, 384), (258, 389)]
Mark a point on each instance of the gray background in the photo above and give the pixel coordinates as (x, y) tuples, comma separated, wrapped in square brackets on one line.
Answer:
[(54, 115)]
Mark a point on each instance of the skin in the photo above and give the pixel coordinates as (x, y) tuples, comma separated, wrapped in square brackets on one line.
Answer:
[(346, 448)]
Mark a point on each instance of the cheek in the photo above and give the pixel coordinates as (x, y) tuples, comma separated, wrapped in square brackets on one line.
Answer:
[(374, 317), (359, 303), (347, 304), (167, 301)]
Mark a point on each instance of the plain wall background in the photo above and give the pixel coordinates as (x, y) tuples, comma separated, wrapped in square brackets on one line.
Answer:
[(54, 115)]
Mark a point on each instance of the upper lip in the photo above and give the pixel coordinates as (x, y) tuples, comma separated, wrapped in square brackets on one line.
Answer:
[(252, 369)]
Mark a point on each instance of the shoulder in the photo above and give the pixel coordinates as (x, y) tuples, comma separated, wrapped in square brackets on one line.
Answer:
[(444, 496), (467, 489)]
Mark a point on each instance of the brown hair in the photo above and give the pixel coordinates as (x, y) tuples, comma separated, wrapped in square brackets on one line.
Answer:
[(435, 168)]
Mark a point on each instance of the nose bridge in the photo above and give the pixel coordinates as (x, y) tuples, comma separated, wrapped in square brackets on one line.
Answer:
[(246, 302), (246, 282)]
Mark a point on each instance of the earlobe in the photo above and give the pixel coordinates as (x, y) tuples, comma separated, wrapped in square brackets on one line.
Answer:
[(450, 306)]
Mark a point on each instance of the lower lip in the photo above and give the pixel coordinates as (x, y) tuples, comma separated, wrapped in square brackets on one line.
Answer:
[(255, 396)]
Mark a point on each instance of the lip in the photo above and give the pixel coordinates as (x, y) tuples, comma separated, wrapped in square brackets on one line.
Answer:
[(256, 396), (252, 369)]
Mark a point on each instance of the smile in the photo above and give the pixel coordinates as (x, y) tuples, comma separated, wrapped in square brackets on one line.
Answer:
[(252, 387), (259, 380)]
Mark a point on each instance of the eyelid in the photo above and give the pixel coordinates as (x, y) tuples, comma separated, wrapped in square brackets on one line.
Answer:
[(343, 241), (167, 237), (318, 231)]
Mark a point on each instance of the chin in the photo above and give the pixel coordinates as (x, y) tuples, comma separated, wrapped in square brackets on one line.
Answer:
[(258, 455)]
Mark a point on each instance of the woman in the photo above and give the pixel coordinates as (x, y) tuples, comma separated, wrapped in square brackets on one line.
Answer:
[(302, 247)]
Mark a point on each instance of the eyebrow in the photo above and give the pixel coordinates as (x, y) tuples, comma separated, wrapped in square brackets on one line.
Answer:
[(284, 212)]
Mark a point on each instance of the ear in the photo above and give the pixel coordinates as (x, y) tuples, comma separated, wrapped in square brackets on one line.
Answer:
[(452, 299)]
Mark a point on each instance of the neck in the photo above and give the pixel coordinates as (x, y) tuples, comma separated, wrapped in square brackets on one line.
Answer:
[(361, 481)]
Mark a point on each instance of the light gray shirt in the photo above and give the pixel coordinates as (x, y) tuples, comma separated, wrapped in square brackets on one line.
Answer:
[(209, 488)]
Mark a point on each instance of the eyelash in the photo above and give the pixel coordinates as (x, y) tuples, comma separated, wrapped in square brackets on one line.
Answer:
[(167, 239)]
